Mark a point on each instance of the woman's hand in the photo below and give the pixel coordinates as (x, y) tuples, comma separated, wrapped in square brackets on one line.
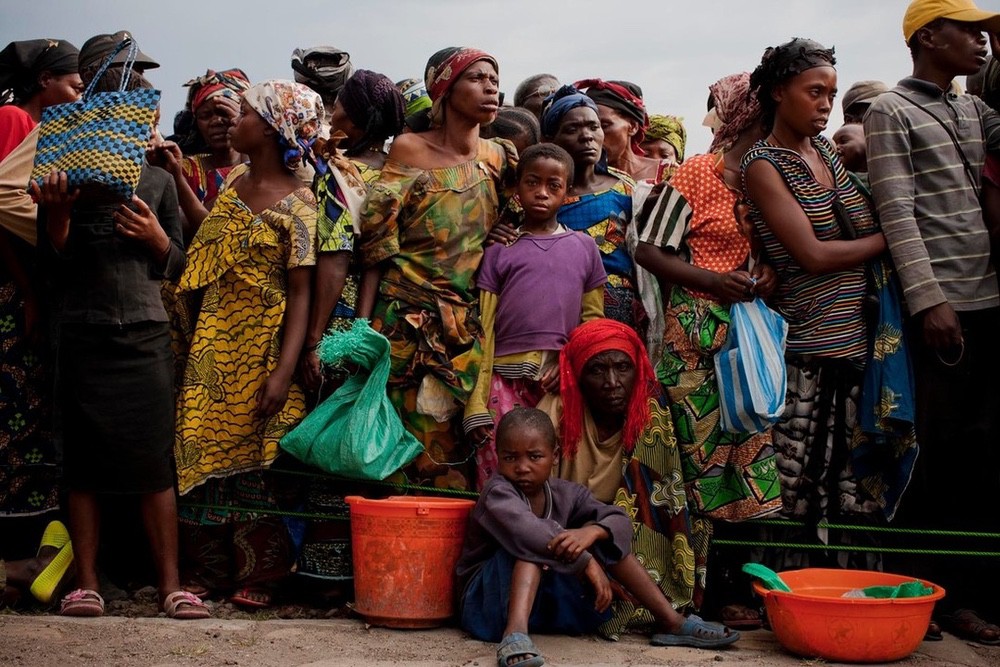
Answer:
[(54, 195), (480, 435), (141, 225), (733, 286), (501, 233), (550, 380), (273, 394), (570, 544), (167, 155), (767, 280), (602, 587), (311, 369)]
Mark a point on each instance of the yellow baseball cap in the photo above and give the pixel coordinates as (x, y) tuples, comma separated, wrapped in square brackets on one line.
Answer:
[(922, 12)]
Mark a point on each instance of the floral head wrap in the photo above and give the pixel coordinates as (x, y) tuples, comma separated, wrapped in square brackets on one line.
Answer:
[(294, 111), (231, 83), (585, 342), (443, 70), (669, 129), (735, 109)]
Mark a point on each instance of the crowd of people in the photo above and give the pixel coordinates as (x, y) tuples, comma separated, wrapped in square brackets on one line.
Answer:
[(553, 280)]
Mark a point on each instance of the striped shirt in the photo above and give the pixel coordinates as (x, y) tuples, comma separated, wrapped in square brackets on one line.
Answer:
[(823, 311), (928, 206)]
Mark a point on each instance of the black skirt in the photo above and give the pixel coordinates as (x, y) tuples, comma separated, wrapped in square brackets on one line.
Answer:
[(115, 391)]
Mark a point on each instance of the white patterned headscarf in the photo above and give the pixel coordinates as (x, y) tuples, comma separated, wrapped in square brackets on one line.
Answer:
[(294, 111)]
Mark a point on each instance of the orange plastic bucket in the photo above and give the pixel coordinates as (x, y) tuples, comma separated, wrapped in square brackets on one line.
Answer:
[(814, 620), (405, 551)]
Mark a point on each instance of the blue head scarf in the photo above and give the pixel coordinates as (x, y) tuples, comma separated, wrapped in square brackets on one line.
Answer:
[(558, 104)]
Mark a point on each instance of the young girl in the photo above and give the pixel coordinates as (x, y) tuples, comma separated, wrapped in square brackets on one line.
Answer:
[(251, 265), (115, 370), (524, 327)]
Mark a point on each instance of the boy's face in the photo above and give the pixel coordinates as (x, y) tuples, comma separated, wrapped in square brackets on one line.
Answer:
[(542, 188), (959, 47), (526, 458)]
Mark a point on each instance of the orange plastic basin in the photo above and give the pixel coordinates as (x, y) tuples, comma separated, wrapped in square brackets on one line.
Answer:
[(405, 550), (815, 621)]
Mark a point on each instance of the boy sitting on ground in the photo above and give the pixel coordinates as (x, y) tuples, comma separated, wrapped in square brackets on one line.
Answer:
[(532, 540)]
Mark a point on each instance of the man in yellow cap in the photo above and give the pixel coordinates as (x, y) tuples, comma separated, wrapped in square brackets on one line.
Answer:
[(926, 149)]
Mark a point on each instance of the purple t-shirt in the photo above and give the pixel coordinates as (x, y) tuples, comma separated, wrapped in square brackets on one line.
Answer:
[(540, 282)]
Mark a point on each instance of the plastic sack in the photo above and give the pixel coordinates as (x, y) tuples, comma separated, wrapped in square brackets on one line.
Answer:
[(750, 368), (356, 431)]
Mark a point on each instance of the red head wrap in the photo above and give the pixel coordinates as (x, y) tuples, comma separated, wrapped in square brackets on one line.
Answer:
[(624, 97), (231, 83), (585, 342)]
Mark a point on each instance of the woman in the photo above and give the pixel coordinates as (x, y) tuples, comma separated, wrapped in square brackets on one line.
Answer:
[(624, 122), (665, 138), (818, 232), (115, 372), (33, 75), (368, 110), (617, 440), (422, 233), (692, 243), (599, 202), (250, 267), (214, 101)]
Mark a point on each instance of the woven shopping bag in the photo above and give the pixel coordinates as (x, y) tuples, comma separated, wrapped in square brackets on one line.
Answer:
[(100, 140), (750, 368)]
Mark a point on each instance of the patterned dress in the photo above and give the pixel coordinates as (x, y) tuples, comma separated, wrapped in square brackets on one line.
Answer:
[(238, 263), (428, 228), (605, 216), (729, 476), (205, 180)]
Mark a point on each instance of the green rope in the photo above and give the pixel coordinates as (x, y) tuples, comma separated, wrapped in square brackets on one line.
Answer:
[(429, 490), (267, 512), (850, 547), (875, 529)]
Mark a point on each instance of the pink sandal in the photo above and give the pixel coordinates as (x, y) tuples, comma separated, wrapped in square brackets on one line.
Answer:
[(185, 606), (82, 602)]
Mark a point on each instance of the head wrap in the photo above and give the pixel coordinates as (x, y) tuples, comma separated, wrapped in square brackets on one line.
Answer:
[(231, 83), (443, 70), (585, 342), (559, 104), (781, 63), (22, 62), (735, 109), (669, 129), (96, 49), (374, 105), (414, 95), (325, 69), (624, 97), (294, 111)]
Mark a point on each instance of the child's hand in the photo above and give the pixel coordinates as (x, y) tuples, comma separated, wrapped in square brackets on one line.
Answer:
[(501, 233), (602, 587), (480, 435), (568, 545)]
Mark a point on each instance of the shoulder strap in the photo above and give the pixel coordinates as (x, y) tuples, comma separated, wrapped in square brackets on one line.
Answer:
[(969, 171)]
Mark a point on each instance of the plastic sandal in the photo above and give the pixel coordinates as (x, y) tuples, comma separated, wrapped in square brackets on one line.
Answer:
[(55, 535), (518, 644), (185, 606), (47, 582), (697, 633), (740, 617), (82, 602), (255, 598)]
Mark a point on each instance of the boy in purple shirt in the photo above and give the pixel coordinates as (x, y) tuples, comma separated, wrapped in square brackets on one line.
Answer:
[(532, 542), (533, 292)]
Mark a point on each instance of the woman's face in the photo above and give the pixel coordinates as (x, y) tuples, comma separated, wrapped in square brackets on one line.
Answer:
[(213, 125), (607, 381), (476, 94), (805, 100), (618, 132), (581, 136), (658, 149), (340, 121), (249, 129), (60, 88)]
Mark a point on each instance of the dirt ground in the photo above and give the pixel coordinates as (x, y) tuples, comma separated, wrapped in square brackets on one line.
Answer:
[(37, 640)]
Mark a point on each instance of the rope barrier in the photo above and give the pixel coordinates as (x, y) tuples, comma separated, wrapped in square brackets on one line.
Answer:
[(851, 547)]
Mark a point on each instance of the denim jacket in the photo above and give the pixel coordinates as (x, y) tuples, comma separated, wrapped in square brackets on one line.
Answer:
[(100, 277)]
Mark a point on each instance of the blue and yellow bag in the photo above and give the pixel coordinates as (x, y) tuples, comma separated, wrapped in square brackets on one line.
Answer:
[(100, 140)]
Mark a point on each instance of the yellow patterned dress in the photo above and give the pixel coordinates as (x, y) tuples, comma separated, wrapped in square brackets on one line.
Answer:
[(238, 264)]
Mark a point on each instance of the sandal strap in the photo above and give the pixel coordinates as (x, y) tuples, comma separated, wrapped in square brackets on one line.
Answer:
[(178, 598), (695, 626), (516, 643)]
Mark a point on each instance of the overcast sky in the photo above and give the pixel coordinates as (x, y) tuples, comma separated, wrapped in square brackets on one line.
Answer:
[(672, 48)]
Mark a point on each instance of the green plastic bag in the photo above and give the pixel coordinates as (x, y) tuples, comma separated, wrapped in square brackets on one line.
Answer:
[(911, 589), (356, 431)]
